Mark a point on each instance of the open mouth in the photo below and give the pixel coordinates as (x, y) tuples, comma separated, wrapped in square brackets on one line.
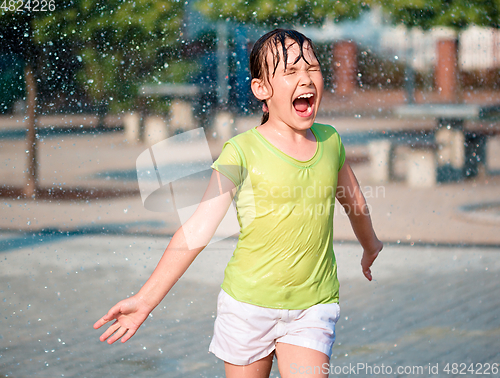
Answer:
[(303, 104)]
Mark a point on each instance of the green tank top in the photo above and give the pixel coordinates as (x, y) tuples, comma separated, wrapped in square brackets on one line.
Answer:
[(284, 257)]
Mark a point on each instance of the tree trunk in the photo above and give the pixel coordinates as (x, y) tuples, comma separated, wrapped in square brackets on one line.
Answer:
[(30, 190)]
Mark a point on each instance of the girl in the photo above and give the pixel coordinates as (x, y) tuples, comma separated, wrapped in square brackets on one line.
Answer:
[(280, 290)]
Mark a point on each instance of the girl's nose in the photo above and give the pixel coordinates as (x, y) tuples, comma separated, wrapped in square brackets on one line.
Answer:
[(305, 78)]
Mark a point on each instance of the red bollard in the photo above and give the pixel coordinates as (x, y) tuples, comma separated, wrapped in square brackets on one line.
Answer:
[(446, 70), (345, 67)]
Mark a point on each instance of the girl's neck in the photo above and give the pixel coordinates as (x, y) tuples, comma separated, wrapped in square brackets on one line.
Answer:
[(284, 131), (299, 144)]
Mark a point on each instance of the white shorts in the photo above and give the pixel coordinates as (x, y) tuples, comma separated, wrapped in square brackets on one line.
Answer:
[(245, 333)]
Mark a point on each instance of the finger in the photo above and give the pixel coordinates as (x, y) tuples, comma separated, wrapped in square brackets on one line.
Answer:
[(368, 274), (101, 322), (112, 313), (128, 335), (112, 329), (119, 333)]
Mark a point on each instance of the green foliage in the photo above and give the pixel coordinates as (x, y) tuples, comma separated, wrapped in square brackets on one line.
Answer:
[(457, 14), (141, 24), (175, 72), (11, 81), (116, 42), (279, 12)]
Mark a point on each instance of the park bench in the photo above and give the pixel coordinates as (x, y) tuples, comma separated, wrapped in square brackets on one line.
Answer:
[(184, 98), (460, 133), (155, 128)]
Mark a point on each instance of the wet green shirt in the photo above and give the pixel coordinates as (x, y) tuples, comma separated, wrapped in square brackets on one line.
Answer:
[(284, 257)]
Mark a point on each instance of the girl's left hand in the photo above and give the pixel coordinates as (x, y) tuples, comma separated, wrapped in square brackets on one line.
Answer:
[(368, 259)]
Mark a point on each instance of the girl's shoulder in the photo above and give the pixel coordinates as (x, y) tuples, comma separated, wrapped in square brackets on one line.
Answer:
[(325, 130), (246, 136), (236, 148), (327, 135), (246, 141)]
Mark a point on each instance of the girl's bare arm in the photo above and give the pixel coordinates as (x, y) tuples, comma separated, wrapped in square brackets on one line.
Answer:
[(185, 245), (351, 198)]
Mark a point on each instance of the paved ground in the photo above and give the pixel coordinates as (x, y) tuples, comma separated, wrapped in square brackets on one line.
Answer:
[(447, 214), (426, 306)]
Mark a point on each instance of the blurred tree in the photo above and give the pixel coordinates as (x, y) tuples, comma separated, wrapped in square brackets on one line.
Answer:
[(457, 14), (270, 12), (116, 41), (17, 38), (11, 80)]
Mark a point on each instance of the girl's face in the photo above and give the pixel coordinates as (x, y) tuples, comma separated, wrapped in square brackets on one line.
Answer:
[(293, 94)]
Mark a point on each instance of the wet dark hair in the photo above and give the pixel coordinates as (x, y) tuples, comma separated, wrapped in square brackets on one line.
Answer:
[(275, 40)]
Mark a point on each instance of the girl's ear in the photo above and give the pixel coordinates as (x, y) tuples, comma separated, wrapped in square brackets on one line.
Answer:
[(260, 89)]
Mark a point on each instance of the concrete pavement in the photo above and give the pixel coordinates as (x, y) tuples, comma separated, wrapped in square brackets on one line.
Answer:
[(426, 307), (447, 214)]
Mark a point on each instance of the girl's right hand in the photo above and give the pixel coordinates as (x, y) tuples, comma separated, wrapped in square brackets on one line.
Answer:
[(128, 314)]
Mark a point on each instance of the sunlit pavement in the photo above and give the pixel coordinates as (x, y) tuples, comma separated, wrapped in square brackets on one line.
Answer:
[(418, 215), (426, 307)]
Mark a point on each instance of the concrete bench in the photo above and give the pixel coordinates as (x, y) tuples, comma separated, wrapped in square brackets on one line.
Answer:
[(156, 128), (181, 110), (460, 135)]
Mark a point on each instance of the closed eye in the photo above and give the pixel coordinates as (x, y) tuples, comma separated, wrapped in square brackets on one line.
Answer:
[(314, 68)]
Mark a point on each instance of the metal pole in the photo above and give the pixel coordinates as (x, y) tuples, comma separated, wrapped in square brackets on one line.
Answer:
[(410, 73), (222, 64), (242, 74)]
